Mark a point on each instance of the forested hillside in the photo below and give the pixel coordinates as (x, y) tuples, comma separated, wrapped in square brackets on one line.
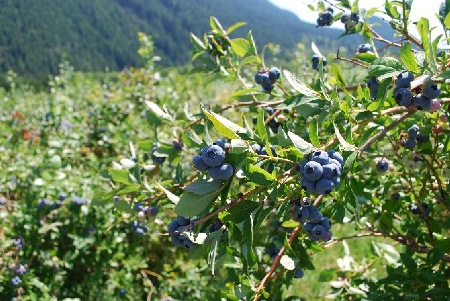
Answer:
[(95, 35)]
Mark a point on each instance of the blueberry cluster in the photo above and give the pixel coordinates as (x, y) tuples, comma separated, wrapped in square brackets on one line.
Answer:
[(211, 159), (321, 173), (262, 151), (411, 141), (404, 97), (315, 62), (175, 228), (156, 158), (317, 226), (382, 165), (267, 77), (373, 86), (138, 228), (364, 48), (273, 123), (325, 18), (350, 21), (423, 209)]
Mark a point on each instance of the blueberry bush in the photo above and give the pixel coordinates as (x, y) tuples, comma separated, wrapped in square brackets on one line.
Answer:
[(241, 180)]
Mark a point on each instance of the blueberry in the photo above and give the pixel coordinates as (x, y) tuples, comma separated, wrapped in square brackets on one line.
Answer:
[(329, 171), (422, 103), (410, 143), (326, 223), (177, 144), (300, 214), (431, 91), (308, 226), (172, 227), (177, 241), (256, 148), (336, 181), (263, 151), (413, 131), (254, 120), (152, 210), (139, 207), (309, 186), (337, 163), (328, 235), (314, 215), (315, 59), (363, 48), (320, 157), (330, 9), (183, 221), (264, 79), (298, 273), (198, 163), (220, 142), (213, 155), (318, 232), (274, 74), (354, 17), (327, 18), (157, 159), (403, 97), (345, 18), (16, 281), (123, 292), (270, 167), (373, 86), (300, 166), (382, 165), (324, 186), (221, 172), (62, 196), (312, 171), (320, 22), (404, 80), (188, 244)]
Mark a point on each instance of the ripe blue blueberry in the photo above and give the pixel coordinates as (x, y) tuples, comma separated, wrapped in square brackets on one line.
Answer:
[(345, 18), (307, 185), (213, 155), (300, 214), (16, 281), (320, 157), (404, 80), (298, 273), (354, 17), (199, 164), (318, 232), (312, 171), (329, 171), (314, 215), (263, 151), (220, 142), (172, 227), (363, 48), (177, 144), (413, 131), (256, 148), (177, 241), (422, 103), (403, 97), (221, 172), (431, 90), (188, 244), (337, 163), (326, 223), (308, 226), (382, 165), (410, 143), (138, 207), (183, 221), (324, 186), (373, 86), (327, 18), (320, 22), (274, 74), (156, 158)]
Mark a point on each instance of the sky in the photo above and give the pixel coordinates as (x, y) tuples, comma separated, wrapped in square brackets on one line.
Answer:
[(420, 8)]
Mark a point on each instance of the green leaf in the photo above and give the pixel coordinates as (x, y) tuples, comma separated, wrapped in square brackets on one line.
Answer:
[(129, 189), (384, 65), (241, 211), (120, 176), (283, 139), (447, 21), (423, 27), (348, 164), (224, 126), (261, 126), (157, 111), (337, 73), (124, 207), (215, 24), (203, 186), (290, 224), (240, 46), (299, 85), (302, 145), (251, 60), (191, 204), (345, 146), (314, 132), (257, 175), (391, 10), (235, 26), (197, 42), (408, 59), (238, 146), (173, 198), (366, 57)]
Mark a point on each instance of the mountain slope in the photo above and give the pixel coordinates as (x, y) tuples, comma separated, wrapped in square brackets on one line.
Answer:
[(95, 35)]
